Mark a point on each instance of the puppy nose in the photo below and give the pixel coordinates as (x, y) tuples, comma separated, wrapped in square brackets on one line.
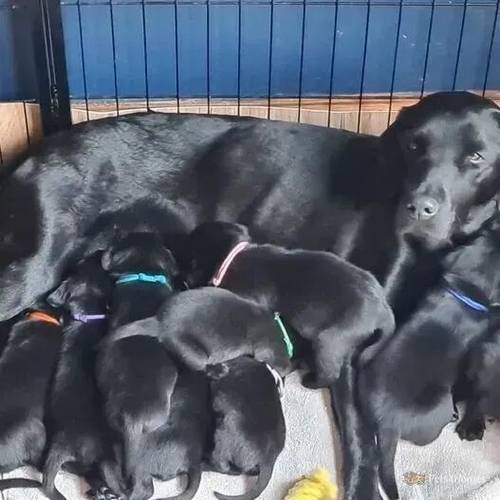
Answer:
[(423, 208)]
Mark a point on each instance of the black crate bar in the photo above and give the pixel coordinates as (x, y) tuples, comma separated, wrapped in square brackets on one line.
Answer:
[(51, 66), (490, 49)]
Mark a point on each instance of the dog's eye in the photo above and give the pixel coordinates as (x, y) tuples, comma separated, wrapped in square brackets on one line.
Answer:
[(475, 158), (412, 147)]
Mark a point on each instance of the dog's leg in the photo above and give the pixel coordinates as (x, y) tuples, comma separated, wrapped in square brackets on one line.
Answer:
[(387, 444), (472, 425)]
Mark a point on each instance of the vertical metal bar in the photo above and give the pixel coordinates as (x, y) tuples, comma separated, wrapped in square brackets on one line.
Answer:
[(26, 124), (51, 65), (145, 50), (332, 67), (363, 66), (427, 48), (239, 58), (395, 61), (113, 48), (177, 78), (490, 50), (270, 65), (459, 48), (82, 57), (208, 56), (301, 70)]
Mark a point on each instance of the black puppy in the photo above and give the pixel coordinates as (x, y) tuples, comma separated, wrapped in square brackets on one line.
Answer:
[(135, 374), (177, 446), (249, 423), (333, 304), (407, 389), (79, 434), (479, 384), (26, 369), (208, 326)]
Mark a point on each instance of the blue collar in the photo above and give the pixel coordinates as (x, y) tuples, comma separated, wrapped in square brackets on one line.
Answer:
[(477, 306), (148, 278)]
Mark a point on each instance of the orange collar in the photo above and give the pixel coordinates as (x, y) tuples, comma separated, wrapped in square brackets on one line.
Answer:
[(41, 316)]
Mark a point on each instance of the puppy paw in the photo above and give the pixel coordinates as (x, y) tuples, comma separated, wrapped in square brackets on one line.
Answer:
[(471, 430), (103, 493)]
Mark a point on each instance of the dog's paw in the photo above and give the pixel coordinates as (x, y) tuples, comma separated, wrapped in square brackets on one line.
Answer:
[(471, 430), (103, 493)]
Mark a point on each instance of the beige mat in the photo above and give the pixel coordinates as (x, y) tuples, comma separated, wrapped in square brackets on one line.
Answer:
[(447, 470)]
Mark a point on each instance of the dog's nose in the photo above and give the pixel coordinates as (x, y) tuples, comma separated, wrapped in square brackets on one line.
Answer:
[(423, 207)]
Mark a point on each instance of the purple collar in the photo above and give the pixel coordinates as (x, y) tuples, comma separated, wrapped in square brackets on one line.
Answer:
[(85, 318)]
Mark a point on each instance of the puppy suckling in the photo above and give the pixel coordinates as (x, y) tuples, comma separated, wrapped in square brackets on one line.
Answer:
[(78, 432), (26, 369), (177, 446), (249, 423), (407, 389), (480, 382), (135, 375), (333, 304), (208, 326)]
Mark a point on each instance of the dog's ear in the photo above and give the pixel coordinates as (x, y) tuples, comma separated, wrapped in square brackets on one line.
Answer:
[(59, 296)]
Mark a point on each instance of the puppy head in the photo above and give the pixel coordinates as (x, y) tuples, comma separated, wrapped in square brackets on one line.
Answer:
[(85, 291), (448, 147), (139, 252), (209, 245)]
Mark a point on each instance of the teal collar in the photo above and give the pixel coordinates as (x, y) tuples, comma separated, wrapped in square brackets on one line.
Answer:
[(147, 278), (286, 337)]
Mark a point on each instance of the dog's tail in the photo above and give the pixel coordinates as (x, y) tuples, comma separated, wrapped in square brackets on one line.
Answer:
[(18, 482), (55, 460), (194, 480), (357, 439), (387, 441), (263, 479)]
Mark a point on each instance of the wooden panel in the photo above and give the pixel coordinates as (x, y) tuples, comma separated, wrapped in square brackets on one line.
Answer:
[(20, 126), (344, 112)]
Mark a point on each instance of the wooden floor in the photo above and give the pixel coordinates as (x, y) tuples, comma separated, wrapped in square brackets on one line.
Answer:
[(20, 123)]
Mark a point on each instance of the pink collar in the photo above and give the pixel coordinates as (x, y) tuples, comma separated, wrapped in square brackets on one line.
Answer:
[(219, 275)]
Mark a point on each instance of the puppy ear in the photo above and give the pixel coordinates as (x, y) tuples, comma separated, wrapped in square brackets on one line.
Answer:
[(59, 296)]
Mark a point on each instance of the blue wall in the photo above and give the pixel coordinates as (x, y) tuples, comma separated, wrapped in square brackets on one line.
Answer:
[(95, 48)]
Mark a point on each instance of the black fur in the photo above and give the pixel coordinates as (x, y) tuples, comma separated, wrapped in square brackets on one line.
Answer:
[(136, 376), (208, 326), (249, 424), (407, 389), (177, 446), (78, 432), (294, 185), (26, 369)]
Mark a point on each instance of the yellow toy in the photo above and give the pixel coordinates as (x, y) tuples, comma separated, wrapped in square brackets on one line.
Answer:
[(317, 486)]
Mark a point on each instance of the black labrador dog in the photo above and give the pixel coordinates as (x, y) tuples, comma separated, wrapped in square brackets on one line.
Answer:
[(478, 385), (388, 204), (79, 436), (209, 326), (333, 304), (249, 423), (135, 374), (177, 446), (407, 389), (430, 177), (26, 369)]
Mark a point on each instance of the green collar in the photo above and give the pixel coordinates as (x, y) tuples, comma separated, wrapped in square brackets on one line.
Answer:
[(286, 337)]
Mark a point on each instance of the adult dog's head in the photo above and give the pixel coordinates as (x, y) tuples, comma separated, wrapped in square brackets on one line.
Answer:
[(449, 148)]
